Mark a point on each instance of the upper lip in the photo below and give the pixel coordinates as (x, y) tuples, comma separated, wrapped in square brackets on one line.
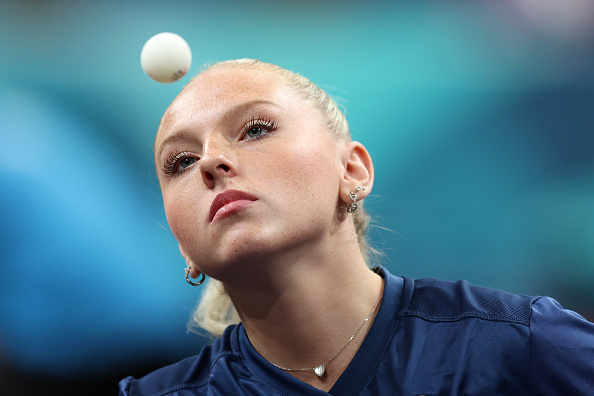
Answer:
[(226, 197)]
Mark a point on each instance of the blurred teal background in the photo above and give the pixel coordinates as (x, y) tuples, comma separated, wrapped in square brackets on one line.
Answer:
[(479, 117)]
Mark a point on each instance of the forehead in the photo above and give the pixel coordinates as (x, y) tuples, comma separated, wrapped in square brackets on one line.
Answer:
[(216, 90)]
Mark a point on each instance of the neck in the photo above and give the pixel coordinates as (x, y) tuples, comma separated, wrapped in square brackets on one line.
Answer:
[(306, 313)]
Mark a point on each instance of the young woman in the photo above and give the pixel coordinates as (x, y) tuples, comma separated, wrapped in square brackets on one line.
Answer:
[(262, 188)]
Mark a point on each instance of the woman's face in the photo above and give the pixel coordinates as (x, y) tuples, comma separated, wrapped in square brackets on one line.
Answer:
[(248, 171)]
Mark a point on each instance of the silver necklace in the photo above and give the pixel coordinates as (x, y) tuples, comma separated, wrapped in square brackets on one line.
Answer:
[(321, 369)]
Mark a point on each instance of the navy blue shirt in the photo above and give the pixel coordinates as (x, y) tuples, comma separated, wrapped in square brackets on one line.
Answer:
[(429, 337)]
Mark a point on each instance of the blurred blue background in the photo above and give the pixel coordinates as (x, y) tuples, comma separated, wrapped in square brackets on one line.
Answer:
[(478, 115)]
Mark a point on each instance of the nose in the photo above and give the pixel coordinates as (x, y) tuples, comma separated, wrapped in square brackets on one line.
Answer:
[(217, 163)]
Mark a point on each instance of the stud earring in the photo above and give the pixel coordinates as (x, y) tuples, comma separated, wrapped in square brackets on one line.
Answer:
[(194, 283), (353, 206)]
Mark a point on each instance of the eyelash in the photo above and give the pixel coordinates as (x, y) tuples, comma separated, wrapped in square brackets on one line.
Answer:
[(259, 121), (171, 165)]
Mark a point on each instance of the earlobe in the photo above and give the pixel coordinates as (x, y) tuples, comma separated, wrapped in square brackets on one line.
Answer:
[(193, 270), (352, 207), (358, 171)]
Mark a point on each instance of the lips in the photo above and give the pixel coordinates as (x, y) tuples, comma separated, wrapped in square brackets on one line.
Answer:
[(236, 198)]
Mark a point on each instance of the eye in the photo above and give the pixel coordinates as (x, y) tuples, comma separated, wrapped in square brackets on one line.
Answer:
[(185, 163), (178, 162), (255, 132), (257, 128)]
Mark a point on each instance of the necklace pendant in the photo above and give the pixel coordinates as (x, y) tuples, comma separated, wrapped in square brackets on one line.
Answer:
[(320, 370)]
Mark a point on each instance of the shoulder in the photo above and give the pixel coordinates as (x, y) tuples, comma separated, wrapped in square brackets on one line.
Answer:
[(437, 300), (191, 373), (534, 335), (457, 337), (552, 325), (562, 349)]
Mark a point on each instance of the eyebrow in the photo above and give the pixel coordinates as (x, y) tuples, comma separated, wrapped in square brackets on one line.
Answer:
[(239, 108)]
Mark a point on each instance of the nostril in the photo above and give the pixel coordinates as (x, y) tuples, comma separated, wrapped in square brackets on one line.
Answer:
[(224, 167)]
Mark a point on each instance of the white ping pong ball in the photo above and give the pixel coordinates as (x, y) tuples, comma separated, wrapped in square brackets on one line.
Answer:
[(166, 57)]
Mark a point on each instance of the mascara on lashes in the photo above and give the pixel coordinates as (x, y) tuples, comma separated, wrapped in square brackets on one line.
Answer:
[(260, 121), (172, 161)]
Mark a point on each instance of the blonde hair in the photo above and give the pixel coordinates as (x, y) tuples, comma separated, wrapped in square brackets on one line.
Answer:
[(215, 311)]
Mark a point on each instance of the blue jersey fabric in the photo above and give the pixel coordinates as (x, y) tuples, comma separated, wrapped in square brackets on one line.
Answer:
[(429, 337)]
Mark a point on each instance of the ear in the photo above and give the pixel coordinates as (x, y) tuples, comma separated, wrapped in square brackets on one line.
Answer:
[(358, 171), (194, 272)]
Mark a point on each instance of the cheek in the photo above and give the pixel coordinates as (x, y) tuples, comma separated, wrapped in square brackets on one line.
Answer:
[(178, 215), (309, 174), (174, 218)]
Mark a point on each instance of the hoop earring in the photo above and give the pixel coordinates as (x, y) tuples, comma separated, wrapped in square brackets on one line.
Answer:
[(194, 283), (353, 206)]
